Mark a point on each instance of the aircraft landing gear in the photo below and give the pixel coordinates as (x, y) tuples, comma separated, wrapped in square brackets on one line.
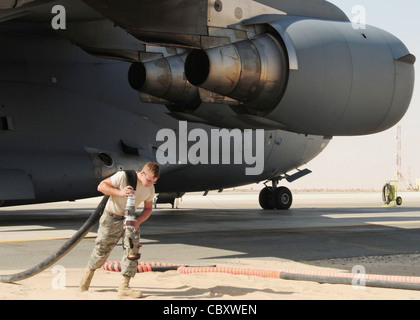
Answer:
[(275, 197)]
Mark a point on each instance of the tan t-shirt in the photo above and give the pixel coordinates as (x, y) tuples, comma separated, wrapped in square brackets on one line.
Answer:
[(116, 205)]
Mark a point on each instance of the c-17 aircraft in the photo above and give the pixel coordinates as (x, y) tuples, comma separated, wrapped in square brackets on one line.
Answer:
[(90, 87)]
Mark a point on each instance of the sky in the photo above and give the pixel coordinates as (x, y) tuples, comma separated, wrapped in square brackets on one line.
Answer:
[(366, 162)]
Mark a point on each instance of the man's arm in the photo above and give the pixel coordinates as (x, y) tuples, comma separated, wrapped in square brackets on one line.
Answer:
[(108, 189), (144, 215)]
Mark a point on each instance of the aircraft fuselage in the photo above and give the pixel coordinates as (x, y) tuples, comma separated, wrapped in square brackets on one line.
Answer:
[(70, 119)]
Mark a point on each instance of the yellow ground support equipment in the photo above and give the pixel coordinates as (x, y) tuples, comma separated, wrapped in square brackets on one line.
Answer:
[(389, 193)]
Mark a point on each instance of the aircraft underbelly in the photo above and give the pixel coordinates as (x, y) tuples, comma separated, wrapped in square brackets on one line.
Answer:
[(15, 185)]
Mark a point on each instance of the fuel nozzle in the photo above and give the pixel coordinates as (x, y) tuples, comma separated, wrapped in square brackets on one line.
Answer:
[(131, 241)]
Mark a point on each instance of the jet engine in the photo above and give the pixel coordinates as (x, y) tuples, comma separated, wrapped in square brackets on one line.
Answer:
[(311, 76), (253, 72), (163, 81)]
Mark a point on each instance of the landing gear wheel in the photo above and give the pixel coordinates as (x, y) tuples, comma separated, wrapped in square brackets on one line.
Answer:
[(398, 201), (278, 198), (282, 198), (266, 198)]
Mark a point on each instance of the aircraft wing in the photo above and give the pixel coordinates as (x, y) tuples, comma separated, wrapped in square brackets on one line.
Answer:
[(191, 23), (295, 65)]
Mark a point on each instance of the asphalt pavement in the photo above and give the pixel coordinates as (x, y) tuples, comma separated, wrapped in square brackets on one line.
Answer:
[(219, 228)]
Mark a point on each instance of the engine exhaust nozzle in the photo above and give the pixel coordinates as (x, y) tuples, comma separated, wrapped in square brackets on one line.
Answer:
[(163, 78)]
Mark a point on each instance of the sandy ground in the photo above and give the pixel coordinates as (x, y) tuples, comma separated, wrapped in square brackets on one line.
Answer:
[(62, 284)]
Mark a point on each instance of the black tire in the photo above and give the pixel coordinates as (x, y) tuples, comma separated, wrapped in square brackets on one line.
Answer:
[(398, 201), (282, 198), (266, 198)]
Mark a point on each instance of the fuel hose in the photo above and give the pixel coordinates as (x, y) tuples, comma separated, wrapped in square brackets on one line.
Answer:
[(65, 248), (354, 279), (149, 266), (368, 280)]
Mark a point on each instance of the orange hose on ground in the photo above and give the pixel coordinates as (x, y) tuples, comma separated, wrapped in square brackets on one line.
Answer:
[(368, 280), (232, 270), (357, 279), (142, 266), (145, 266), (278, 274)]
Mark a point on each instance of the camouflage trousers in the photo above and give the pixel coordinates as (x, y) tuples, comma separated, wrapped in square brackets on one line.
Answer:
[(109, 232)]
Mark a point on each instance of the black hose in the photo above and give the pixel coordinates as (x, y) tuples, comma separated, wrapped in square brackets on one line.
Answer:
[(65, 248), (386, 193), (346, 280)]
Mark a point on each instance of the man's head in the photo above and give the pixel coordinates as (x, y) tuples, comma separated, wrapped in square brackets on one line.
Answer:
[(149, 174)]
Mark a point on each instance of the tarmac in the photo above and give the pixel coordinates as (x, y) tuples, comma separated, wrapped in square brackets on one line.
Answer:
[(321, 230)]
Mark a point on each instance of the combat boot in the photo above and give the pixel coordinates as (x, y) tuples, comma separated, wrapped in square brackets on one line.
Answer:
[(125, 291), (86, 279)]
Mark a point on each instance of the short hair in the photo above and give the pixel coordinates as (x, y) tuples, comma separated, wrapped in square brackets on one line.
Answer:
[(153, 168)]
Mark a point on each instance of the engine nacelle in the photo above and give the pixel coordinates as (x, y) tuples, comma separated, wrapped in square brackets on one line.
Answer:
[(253, 72), (163, 81), (312, 76)]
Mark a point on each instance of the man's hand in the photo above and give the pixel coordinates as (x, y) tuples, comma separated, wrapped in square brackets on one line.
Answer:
[(107, 188), (126, 191)]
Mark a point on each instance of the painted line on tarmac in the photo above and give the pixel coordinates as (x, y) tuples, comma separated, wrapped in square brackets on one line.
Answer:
[(41, 239)]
